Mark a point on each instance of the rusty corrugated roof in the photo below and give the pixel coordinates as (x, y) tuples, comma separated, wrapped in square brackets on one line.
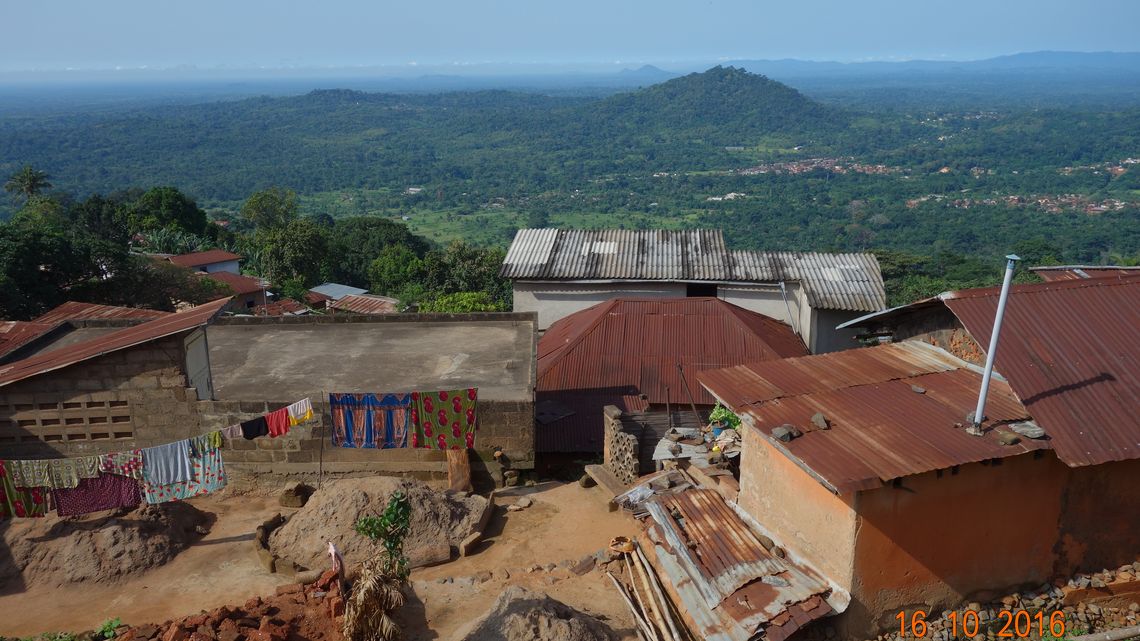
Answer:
[(848, 281), (365, 304), (200, 259), (283, 307), (1071, 351), (16, 334), (75, 310), (639, 342), (151, 330), (239, 283), (892, 409), (1082, 272), (633, 346), (579, 429), (731, 586)]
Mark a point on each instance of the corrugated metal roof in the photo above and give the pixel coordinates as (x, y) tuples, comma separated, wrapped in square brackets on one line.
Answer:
[(1071, 351), (847, 281), (336, 291), (16, 334), (199, 259), (633, 345), (145, 332), (1082, 272), (283, 307), (581, 428), (881, 428), (75, 310), (729, 584), (365, 304), (238, 283)]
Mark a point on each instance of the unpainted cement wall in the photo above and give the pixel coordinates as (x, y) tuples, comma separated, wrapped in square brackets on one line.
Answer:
[(123, 400)]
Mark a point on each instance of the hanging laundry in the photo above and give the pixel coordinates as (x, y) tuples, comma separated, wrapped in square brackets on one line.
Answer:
[(370, 420), (55, 473), (232, 432), (128, 463), (166, 464), (20, 502), (444, 420), (106, 492), (278, 422), (208, 475), (300, 411), (205, 442), (254, 428)]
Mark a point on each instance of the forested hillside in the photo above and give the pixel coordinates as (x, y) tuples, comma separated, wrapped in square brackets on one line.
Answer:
[(724, 148)]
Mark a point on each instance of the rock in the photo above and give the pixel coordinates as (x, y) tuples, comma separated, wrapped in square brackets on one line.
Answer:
[(291, 588), (1008, 438), (520, 614), (917, 390), (661, 483), (1093, 608), (431, 554), (534, 568), (524, 502), (1097, 582), (1028, 430), (1134, 607), (1081, 582), (584, 565), (820, 421), (587, 481), (148, 631), (549, 567), (175, 633), (1008, 601), (782, 434), (483, 576), (229, 635), (502, 574), (975, 606), (267, 560), (530, 483), (514, 507), (766, 542)]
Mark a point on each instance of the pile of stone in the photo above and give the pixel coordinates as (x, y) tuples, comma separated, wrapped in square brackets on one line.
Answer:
[(1095, 602), (520, 614), (296, 612)]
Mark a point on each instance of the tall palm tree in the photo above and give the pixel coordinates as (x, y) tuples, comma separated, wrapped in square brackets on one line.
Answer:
[(27, 182)]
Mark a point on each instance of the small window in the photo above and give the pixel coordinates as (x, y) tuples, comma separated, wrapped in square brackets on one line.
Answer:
[(694, 290)]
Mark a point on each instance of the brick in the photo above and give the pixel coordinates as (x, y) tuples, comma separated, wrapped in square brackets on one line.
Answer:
[(252, 407)]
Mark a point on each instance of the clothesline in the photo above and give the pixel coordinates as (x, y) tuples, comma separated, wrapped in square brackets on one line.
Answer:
[(445, 419), (161, 473)]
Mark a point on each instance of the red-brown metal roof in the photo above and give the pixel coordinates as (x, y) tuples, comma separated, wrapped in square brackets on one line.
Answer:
[(1071, 351), (16, 334), (639, 342), (124, 338), (894, 410), (208, 257), (283, 307), (75, 310), (238, 283), (365, 304), (580, 428), (1082, 272)]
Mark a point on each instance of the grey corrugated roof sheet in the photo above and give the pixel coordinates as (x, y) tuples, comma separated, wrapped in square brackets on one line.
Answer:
[(847, 281), (336, 291)]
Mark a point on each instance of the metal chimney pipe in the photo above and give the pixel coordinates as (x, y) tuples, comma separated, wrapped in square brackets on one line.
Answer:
[(991, 354)]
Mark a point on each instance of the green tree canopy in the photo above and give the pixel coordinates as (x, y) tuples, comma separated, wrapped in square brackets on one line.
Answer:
[(27, 182), (299, 250), (358, 241), (271, 208), (166, 208), (462, 303), (394, 269)]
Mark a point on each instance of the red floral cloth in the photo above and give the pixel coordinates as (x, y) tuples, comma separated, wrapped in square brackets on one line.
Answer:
[(106, 492), (21, 502), (278, 422), (444, 420)]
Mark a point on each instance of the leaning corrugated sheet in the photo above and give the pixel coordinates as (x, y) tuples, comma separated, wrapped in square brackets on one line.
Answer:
[(729, 584), (845, 281), (151, 330), (1071, 351), (893, 411)]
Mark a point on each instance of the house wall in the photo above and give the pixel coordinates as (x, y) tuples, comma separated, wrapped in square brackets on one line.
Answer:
[(941, 539), (130, 398), (231, 266), (825, 338), (800, 514), (554, 301)]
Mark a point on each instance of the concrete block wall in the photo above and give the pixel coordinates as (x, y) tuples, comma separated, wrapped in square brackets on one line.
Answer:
[(620, 449), (307, 450), (123, 400)]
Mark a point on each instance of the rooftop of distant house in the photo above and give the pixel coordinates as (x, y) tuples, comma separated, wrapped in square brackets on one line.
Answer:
[(240, 284), (337, 291), (847, 281), (365, 304), (208, 257)]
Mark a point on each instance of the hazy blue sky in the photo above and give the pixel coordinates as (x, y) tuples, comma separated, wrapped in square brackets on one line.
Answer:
[(243, 33)]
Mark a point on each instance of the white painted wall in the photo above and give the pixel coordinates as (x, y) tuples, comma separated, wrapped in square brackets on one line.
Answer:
[(231, 266), (554, 301)]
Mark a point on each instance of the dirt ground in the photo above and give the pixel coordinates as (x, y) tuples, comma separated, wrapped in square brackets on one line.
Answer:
[(565, 524)]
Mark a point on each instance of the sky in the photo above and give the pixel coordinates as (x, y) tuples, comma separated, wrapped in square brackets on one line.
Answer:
[(87, 34)]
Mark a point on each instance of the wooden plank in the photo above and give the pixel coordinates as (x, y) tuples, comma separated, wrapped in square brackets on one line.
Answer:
[(607, 481), (458, 471)]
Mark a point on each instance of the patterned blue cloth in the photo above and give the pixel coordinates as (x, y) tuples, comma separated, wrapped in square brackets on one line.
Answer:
[(370, 421)]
